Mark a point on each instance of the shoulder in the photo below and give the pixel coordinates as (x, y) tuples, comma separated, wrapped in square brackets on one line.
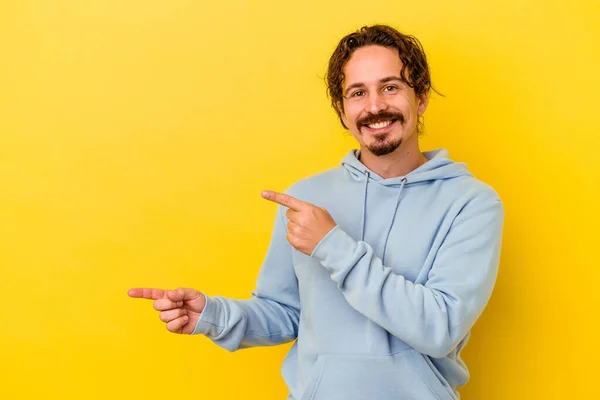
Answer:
[(477, 189), (477, 198)]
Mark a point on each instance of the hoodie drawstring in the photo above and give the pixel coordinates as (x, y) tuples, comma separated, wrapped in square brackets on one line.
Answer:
[(387, 236), (364, 209), (364, 212)]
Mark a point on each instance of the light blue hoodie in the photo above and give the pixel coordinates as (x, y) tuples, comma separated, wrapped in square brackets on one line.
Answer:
[(384, 305)]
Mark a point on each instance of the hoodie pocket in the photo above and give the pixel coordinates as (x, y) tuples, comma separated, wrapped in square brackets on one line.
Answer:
[(402, 376)]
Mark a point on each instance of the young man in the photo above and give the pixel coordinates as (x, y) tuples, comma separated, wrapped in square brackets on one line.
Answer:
[(380, 267)]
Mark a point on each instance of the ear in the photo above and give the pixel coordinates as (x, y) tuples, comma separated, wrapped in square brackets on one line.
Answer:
[(340, 109), (344, 120), (422, 102)]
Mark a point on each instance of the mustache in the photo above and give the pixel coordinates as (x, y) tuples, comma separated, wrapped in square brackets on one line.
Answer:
[(380, 117)]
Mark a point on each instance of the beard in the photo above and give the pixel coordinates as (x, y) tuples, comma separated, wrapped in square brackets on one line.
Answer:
[(382, 147)]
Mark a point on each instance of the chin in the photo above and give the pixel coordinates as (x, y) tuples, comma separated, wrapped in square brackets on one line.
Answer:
[(383, 149)]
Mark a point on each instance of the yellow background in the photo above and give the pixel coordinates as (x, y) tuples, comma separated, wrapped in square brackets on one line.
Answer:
[(136, 136)]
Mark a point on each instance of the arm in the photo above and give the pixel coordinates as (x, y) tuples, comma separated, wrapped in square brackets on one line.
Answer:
[(432, 317), (271, 316)]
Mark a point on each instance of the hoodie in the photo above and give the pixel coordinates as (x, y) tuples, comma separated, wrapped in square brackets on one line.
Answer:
[(383, 306)]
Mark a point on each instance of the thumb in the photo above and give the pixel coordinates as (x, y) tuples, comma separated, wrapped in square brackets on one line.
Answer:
[(182, 294)]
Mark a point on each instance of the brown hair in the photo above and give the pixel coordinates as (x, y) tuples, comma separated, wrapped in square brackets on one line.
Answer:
[(415, 70)]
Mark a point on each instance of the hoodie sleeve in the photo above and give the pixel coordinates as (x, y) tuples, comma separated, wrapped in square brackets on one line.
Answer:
[(435, 316), (271, 316)]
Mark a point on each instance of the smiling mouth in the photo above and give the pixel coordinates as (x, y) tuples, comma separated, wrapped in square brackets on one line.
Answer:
[(381, 125)]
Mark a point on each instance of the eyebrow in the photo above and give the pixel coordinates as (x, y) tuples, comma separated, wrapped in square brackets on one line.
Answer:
[(384, 80)]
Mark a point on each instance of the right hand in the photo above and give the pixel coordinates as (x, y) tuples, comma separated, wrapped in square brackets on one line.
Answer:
[(180, 309)]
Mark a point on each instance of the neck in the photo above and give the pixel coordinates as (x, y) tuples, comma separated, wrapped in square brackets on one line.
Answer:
[(398, 163)]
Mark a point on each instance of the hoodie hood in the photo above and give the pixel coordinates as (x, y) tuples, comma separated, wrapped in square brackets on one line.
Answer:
[(439, 166)]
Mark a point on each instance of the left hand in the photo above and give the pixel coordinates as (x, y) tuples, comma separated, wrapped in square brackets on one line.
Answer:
[(307, 225)]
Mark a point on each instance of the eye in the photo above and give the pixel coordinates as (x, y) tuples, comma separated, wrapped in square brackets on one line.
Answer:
[(390, 88), (358, 93)]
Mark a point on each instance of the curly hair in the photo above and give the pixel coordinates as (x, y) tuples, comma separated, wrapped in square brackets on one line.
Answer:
[(415, 71)]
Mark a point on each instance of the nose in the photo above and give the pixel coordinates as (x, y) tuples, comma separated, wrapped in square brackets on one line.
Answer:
[(375, 103)]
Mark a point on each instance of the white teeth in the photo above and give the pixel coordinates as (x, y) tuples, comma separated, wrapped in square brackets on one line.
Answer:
[(379, 125)]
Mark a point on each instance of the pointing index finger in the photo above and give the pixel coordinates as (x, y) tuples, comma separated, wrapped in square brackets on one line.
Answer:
[(146, 293), (285, 200)]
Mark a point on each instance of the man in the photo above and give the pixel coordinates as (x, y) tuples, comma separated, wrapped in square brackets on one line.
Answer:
[(380, 267)]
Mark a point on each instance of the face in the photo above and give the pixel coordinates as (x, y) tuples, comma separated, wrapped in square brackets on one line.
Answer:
[(379, 108)]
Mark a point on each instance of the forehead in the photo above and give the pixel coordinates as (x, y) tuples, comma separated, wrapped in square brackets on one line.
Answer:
[(369, 64)]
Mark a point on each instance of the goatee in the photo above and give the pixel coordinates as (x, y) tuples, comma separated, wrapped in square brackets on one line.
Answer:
[(381, 147)]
